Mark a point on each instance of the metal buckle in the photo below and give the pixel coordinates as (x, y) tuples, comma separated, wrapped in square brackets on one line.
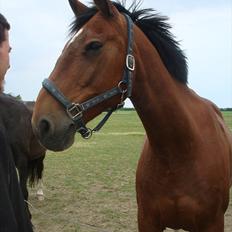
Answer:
[(74, 111), (86, 133), (130, 62)]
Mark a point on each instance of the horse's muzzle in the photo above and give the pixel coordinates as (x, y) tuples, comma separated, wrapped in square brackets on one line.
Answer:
[(55, 137)]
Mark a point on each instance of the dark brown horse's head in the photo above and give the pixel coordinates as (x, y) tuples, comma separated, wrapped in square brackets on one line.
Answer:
[(91, 63)]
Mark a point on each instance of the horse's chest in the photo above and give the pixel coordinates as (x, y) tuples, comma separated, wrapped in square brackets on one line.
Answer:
[(177, 211), (174, 193)]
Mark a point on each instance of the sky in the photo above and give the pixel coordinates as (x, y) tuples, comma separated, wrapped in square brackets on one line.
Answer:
[(40, 29)]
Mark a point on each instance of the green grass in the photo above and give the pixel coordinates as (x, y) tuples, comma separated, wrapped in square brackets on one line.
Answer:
[(228, 118), (91, 186)]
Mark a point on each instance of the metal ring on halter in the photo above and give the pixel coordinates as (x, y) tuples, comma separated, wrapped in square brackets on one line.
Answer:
[(122, 87), (88, 134)]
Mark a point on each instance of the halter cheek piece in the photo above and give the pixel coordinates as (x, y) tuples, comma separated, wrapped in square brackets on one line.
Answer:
[(75, 110)]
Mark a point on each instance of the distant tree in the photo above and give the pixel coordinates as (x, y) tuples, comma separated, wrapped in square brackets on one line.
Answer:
[(18, 97), (226, 109)]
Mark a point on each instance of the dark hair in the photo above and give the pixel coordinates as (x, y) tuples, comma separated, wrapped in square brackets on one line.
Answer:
[(4, 25)]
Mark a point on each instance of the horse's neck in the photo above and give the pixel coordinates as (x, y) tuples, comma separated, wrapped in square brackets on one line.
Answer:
[(160, 102)]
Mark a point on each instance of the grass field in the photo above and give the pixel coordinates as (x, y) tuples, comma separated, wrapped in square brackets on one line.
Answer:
[(90, 187)]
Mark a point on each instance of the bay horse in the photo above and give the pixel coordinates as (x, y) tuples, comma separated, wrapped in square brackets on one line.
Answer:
[(28, 153), (185, 170)]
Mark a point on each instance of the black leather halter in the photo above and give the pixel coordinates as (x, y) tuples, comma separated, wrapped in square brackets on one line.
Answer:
[(124, 88)]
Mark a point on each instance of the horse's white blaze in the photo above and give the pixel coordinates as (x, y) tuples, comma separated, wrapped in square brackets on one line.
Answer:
[(75, 36)]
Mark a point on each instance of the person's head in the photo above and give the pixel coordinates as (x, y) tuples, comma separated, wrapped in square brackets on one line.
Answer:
[(4, 49)]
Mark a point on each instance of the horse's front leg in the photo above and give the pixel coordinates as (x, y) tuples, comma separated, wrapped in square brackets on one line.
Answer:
[(216, 226), (147, 222)]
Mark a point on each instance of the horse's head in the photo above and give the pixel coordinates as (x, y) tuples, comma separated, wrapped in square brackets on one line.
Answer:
[(92, 63)]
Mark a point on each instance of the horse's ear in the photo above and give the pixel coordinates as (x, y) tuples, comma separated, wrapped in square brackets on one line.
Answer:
[(77, 7), (105, 6)]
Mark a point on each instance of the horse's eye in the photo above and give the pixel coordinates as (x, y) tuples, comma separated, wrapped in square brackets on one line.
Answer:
[(93, 46)]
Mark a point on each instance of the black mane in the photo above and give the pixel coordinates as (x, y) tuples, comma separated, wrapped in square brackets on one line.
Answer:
[(157, 30)]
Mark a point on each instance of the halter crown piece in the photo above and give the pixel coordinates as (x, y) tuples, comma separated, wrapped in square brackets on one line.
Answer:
[(75, 110)]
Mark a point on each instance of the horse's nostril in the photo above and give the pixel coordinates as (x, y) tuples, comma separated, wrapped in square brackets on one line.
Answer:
[(44, 127), (72, 126)]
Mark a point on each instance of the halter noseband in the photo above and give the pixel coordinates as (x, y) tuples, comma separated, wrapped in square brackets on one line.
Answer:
[(75, 110)]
